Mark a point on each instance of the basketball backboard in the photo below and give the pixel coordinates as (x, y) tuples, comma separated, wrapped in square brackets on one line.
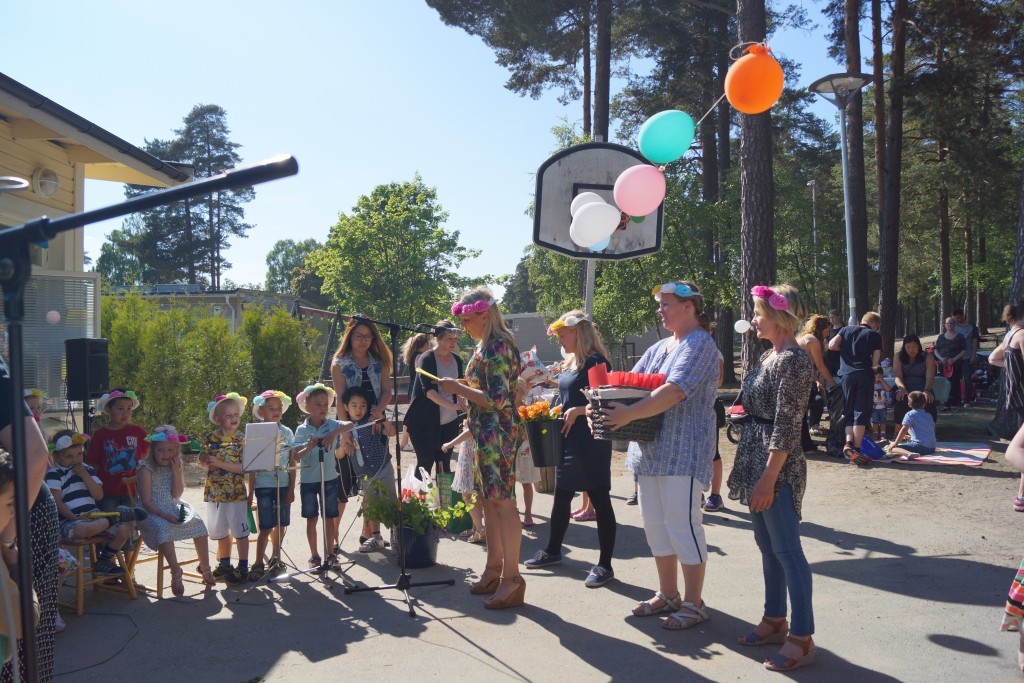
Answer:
[(590, 167)]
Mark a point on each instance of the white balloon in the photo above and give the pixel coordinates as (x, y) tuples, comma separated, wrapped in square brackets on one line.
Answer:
[(594, 223), (565, 354), (584, 198), (742, 326)]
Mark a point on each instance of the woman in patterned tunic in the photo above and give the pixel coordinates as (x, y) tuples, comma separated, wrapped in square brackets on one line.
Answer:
[(673, 469), (770, 474), (490, 388)]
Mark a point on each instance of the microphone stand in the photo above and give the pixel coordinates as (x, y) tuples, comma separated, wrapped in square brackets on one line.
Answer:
[(404, 582), (15, 269)]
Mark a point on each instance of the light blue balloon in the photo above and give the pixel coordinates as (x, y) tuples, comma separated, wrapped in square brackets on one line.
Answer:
[(666, 136), (602, 245)]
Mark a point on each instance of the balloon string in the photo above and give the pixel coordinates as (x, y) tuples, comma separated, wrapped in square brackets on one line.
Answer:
[(711, 109)]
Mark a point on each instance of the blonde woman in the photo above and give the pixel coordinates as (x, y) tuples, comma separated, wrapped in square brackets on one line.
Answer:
[(586, 462), (770, 474), (812, 339), (490, 388)]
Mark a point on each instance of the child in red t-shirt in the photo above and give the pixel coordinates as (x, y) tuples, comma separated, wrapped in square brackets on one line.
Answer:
[(116, 447)]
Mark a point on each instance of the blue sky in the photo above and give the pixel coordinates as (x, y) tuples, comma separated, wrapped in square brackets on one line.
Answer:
[(362, 93)]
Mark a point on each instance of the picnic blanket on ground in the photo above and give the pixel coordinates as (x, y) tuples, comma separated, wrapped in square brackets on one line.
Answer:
[(962, 453)]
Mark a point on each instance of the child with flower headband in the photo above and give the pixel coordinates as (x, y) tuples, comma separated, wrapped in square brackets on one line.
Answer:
[(161, 483), (227, 509), (269, 487), (76, 490), (116, 447), (34, 399)]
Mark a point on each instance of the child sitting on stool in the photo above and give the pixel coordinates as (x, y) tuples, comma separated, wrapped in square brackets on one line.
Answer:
[(76, 490)]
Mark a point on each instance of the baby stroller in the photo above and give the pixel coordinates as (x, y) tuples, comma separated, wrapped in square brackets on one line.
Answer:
[(835, 440)]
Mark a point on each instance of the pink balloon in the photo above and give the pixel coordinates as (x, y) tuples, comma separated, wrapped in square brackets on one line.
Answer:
[(640, 190)]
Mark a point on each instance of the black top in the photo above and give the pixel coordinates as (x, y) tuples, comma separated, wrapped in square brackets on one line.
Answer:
[(424, 415), (856, 351), (832, 357), (571, 384), (6, 400)]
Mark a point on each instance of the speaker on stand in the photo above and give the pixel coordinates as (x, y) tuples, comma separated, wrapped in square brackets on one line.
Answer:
[(88, 373)]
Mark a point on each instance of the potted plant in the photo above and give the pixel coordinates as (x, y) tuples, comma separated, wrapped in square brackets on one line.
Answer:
[(544, 430), (423, 521)]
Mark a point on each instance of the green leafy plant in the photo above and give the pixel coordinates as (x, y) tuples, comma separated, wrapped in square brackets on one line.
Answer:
[(418, 511)]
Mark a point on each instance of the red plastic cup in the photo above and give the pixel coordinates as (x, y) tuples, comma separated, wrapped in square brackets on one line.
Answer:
[(597, 376)]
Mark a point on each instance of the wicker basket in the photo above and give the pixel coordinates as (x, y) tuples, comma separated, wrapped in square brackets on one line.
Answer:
[(638, 430)]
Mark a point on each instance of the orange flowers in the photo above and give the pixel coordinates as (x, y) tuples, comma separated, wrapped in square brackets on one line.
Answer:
[(541, 410)]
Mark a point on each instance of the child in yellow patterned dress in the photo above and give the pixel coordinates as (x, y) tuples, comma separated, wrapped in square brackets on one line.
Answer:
[(226, 500)]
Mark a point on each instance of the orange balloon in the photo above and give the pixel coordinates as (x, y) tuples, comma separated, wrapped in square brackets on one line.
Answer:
[(754, 81)]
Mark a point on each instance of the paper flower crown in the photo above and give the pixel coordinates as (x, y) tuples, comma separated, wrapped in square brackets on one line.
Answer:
[(570, 321), (459, 308), (39, 393), (775, 300), (167, 433), (259, 401), (67, 441), (230, 396), (300, 399), (680, 289)]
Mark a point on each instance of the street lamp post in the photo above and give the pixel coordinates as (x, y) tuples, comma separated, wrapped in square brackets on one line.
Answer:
[(840, 89), (814, 235)]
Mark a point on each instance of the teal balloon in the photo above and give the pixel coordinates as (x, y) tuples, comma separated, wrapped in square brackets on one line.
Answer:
[(637, 219), (666, 136), (602, 245)]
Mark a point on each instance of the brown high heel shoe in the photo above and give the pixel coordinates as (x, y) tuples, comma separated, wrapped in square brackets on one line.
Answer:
[(515, 598), (481, 588)]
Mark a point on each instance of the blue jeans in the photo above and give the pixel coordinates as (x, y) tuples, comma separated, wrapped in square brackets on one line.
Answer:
[(917, 447), (777, 532)]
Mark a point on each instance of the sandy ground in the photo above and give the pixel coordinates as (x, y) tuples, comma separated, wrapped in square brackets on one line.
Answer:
[(911, 566)]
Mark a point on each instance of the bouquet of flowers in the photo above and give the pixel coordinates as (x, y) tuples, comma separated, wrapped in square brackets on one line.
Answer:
[(541, 410)]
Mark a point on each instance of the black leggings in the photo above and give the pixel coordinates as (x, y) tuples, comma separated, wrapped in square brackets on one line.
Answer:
[(816, 406), (560, 513)]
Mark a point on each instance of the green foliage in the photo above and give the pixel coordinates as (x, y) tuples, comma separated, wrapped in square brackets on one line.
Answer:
[(283, 258), (417, 511), (178, 359), (519, 296), (392, 258), (284, 355)]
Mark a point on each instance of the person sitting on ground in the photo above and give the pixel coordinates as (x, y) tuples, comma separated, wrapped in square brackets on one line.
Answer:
[(860, 349), (920, 426), (76, 489), (271, 486), (161, 483), (879, 404)]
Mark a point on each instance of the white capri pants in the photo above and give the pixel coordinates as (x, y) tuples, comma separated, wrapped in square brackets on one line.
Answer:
[(672, 516)]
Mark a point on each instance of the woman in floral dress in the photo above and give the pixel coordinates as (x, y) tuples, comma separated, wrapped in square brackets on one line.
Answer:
[(770, 474), (490, 388)]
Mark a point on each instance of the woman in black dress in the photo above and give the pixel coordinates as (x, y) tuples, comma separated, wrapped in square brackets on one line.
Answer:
[(586, 461), (432, 418)]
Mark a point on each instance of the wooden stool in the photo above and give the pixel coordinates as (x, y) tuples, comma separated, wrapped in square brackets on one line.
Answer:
[(77, 548)]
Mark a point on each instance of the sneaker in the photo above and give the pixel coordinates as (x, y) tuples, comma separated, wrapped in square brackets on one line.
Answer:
[(59, 624), (714, 503), (103, 567), (598, 577), (220, 571), (233, 577), (543, 559), (855, 456), (632, 499), (255, 572), (372, 544), (315, 562)]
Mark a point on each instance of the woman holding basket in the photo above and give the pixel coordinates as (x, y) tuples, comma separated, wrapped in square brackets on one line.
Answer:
[(674, 468), (586, 462)]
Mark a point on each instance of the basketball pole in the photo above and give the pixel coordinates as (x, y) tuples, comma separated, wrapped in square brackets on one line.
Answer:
[(591, 273)]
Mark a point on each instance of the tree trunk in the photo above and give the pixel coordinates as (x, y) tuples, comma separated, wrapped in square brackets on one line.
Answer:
[(191, 253), (603, 68), (757, 230), (968, 261), (855, 158), (878, 82), (981, 316), (944, 270), (726, 316), (1017, 286), (587, 85), (889, 226)]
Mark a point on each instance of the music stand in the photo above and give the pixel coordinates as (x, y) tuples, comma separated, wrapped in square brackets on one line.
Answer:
[(15, 269), (404, 582)]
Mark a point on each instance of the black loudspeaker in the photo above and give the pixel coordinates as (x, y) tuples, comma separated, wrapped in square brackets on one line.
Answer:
[(88, 372)]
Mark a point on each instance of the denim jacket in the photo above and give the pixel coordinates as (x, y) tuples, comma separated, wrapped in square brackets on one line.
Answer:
[(354, 375)]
